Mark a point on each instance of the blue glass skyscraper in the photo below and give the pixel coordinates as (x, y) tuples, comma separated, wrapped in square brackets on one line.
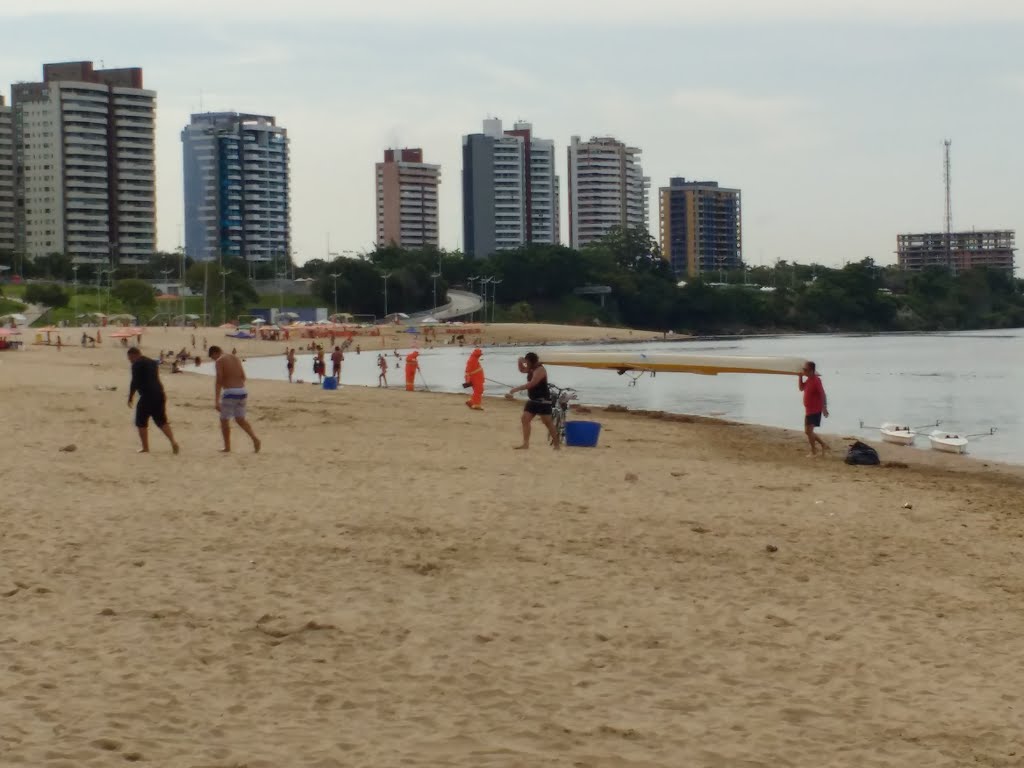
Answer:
[(237, 194)]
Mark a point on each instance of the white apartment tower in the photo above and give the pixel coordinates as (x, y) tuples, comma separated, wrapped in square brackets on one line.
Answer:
[(6, 179), (509, 189), (84, 165), (407, 200), (607, 189), (237, 188)]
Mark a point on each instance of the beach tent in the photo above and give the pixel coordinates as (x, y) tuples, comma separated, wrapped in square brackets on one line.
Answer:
[(17, 318), (127, 333), (5, 335)]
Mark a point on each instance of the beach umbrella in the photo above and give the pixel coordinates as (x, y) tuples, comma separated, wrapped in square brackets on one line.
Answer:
[(9, 332), (258, 321)]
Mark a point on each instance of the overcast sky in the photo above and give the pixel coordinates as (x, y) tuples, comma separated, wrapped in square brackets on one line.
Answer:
[(830, 116)]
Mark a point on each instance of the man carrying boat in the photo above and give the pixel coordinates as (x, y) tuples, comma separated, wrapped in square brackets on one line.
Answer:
[(815, 406)]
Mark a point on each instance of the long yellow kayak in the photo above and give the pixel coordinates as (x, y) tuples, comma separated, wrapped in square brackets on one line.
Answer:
[(708, 365)]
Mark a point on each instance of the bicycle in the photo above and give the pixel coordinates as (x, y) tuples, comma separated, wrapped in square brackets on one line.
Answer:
[(560, 399)]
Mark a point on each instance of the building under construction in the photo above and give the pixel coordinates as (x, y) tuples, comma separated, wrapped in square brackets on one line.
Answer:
[(965, 250)]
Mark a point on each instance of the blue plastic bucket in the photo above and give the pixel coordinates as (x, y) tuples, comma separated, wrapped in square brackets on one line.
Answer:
[(330, 382), (582, 434)]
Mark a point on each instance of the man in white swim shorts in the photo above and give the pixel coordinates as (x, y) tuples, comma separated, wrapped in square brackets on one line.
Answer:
[(230, 397)]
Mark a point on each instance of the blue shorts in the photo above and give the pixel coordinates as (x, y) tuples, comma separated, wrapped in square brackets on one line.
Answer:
[(232, 405)]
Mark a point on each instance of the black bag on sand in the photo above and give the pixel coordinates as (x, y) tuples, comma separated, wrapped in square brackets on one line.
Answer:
[(862, 454)]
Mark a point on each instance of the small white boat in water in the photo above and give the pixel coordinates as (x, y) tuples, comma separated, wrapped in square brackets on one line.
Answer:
[(897, 434), (947, 442)]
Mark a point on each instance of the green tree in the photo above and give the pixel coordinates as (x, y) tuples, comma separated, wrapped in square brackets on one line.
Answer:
[(634, 250), (47, 294), (138, 296), (222, 283)]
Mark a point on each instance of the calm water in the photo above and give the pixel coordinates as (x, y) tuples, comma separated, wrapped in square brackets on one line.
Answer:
[(970, 382)]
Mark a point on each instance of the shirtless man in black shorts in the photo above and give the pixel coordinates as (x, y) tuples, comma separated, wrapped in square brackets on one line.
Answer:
[(290, 356), (539, 403), (152, 400)]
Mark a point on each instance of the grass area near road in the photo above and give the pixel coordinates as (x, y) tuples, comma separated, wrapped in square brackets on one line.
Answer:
[(10, 307)]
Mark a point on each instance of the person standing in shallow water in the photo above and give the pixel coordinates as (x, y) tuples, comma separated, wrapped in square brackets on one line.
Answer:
[(337, 358), (815, 406), (231, 398)]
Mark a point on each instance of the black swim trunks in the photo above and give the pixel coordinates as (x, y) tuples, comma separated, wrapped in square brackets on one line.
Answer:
[(538, 407), (812, 420), (151, 408)]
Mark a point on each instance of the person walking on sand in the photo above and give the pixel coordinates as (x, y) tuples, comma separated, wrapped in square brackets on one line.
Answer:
[(382, 363), (539, 402), (320, 365), (290, 358), (337, 358), (152, 399), (815, 406), (230, 397), (475, 379)]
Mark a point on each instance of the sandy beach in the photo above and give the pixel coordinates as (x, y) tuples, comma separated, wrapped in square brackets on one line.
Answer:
[(388, 584)]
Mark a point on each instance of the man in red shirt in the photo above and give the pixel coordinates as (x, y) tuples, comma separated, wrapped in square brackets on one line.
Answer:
[(815, 406)]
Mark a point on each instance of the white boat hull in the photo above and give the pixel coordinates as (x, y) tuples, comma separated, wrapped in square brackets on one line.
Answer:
[(948, 443), (897, 435)]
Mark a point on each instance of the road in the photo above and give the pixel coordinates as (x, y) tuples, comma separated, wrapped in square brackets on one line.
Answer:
[(460, 304)]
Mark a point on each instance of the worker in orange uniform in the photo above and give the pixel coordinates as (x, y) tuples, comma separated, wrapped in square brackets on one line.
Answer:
[(475, 379), (412, 364)]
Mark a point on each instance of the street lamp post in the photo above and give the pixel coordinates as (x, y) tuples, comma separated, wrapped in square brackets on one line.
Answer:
[(494, 296), (110, 285), (471, 280), (483, 295), (386, 276), (165, 273), (434, 278), (224, 293), (281, 277), (335, 275), (74, 291), (181, 284)]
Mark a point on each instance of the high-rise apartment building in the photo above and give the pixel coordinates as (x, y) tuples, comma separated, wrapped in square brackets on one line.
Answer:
[(237, 192), (6, 179), (510, 193), (961, 250), (84, 165), (607, 189), (407, 200), (701, 226)]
